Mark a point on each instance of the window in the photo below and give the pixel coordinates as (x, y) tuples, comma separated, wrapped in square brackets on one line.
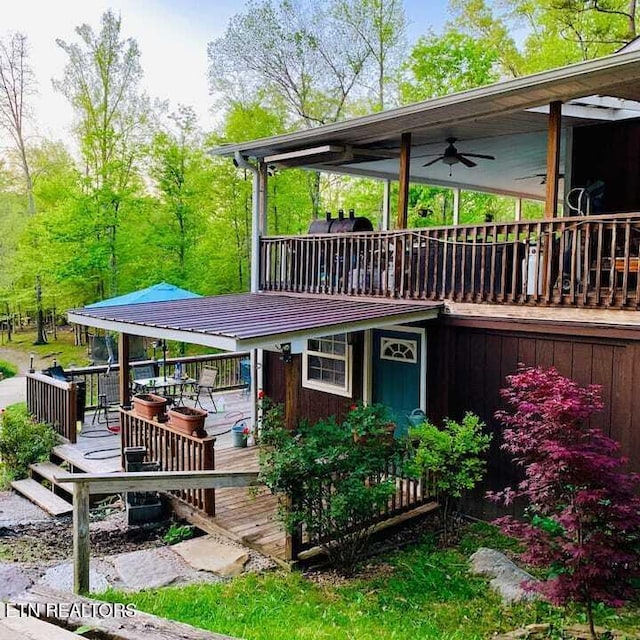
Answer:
[(399, 350), (326, 365)]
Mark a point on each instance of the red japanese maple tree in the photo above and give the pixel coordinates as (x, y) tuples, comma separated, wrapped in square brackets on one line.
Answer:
[(583, 515)]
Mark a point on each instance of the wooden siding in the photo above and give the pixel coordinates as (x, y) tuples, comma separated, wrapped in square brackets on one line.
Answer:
[(480, 359), (313, 404)]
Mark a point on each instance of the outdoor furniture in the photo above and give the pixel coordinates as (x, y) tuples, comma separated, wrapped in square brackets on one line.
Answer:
[(142, 371), (206, 384), (108, 399), (169, 387)]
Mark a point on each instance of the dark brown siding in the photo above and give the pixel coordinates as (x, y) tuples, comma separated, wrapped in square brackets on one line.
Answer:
[(609, 152), (314, 404), (480, 359)]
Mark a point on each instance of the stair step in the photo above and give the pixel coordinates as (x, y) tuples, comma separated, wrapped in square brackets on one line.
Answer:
[(48, 470), (41, 496)]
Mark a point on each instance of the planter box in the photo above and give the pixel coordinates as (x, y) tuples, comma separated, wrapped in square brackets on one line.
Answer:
[(149, 405), (385, 437), (188, 420)]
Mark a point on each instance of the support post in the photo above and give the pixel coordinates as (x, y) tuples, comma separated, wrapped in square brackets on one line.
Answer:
[(123, 359), (292, 391), (456, 206), (403, 187), (553, 159), (386, 205), (518, 210), (81, 538)]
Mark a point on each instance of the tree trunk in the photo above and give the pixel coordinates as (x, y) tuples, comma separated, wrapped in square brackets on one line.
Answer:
[(41, 337)]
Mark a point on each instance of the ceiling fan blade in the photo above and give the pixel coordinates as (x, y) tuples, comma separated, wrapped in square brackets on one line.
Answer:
[(466, 162), (433, 161), (479, 155)]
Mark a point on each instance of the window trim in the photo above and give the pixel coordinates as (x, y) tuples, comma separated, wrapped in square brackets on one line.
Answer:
[(326, 387)]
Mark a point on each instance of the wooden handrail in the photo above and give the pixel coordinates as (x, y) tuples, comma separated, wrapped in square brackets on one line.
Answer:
[(88, 483)]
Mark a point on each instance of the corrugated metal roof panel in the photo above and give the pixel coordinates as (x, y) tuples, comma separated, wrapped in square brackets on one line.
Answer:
[(252, 319)]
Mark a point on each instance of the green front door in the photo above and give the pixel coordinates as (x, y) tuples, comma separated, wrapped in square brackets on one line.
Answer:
[(397, 373)]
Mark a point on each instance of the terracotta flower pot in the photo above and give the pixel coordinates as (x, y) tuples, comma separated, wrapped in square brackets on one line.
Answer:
[(385, 437), (149, 405), (187, 420)]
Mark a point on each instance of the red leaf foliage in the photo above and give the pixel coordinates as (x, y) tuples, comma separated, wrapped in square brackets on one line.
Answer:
[(583, 514)]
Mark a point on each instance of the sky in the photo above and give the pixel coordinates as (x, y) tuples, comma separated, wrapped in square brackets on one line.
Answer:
[(172, 36)]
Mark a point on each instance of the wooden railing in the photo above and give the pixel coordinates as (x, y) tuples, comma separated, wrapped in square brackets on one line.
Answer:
[(86, 484), (54, 402), (227, 364), (409, 494), (174, 452), (577, 261)]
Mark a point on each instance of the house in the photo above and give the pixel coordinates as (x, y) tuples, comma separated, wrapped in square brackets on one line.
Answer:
[(435, 318)]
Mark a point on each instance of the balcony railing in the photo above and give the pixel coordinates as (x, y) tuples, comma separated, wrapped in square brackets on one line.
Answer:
[(578, 261)]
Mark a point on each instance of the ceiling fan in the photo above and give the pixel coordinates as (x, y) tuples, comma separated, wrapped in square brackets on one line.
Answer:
[(542, 176), (452, 156)]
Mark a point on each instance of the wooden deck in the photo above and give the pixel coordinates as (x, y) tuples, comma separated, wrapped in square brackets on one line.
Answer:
[(243, 515)]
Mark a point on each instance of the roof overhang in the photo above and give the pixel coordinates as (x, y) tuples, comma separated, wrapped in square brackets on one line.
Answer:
[(238, 322), (507, 119)]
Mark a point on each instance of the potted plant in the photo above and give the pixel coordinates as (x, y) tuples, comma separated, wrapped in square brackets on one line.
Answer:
[(188, 420), (370, 423), (149, 405)]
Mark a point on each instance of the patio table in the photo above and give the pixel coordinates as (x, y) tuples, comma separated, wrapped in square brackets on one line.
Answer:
[(170, 387)]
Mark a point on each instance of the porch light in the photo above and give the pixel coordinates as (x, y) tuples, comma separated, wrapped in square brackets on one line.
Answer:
[(31, 359)]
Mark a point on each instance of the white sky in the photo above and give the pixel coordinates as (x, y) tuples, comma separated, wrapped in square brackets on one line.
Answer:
[(172, 36)]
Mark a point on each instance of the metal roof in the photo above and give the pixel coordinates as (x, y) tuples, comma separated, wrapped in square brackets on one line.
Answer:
[(506, 119), (242, 321), (160, 292)]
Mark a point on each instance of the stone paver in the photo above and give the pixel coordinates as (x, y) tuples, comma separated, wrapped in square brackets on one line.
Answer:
[(208, 554), (16, 510), (146, 569), (14, 580), (60, 577)]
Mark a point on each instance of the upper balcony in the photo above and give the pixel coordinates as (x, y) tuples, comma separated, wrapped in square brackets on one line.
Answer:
[(583, 261)]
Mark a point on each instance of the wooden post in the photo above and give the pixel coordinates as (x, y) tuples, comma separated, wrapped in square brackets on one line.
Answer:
[(456, 206), (123, 359), (553, 159), (403, 187), (292, 391), (386, 205), (81, 538)]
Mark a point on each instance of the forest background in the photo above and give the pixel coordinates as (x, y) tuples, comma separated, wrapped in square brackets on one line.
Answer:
[(134, 199)]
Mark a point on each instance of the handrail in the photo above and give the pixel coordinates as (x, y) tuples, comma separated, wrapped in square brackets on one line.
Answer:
[(88, 483)]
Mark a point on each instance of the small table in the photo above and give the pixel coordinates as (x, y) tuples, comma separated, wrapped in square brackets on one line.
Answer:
[(174, 387)]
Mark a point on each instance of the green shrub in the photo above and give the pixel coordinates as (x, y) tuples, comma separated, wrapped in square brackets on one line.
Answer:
[(7, 369), (453, 455), (334, 487), (23, 441)]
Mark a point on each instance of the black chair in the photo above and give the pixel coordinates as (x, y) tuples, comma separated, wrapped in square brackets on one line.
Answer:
[(108, 399)]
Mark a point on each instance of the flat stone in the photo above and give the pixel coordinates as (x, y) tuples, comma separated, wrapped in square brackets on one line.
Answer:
[(146, 569), (14, 580), (508, 579), (16, 510), (208, 554), (60, 577)]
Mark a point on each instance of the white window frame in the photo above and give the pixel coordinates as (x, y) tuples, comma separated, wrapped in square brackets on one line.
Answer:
[(412, 345), (326, 387)]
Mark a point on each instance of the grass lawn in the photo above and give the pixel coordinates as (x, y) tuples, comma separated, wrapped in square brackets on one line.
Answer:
[(62, 349), (418, 593)]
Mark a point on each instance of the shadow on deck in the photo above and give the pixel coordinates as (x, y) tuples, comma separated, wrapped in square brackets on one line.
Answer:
[(241, 514)]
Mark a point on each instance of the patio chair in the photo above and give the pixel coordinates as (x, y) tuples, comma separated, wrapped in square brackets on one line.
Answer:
[(108, 399), (206, 384)]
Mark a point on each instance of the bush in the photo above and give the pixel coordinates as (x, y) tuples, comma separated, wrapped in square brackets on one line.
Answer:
[(583, 518), (23, 441), (329, 485), (7, 369), (453, 456)]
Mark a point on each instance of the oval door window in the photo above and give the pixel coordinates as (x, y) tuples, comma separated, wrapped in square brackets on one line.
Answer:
[(399, 350)]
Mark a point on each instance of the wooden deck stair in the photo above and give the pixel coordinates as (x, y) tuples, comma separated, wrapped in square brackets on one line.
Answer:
[(42, 496), (47, 471)]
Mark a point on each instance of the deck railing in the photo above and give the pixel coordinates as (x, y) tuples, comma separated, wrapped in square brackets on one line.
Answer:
[(54, 402), (576, 261), (410, 493), (174, 452), (228, 366)]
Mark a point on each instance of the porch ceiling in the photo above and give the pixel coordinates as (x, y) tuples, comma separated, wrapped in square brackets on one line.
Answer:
[(243, 321), (507, 119)]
